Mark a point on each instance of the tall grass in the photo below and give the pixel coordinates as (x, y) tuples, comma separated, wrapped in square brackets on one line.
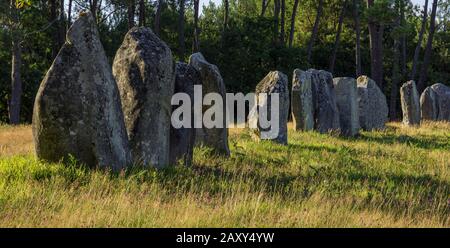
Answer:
[(399, 177)]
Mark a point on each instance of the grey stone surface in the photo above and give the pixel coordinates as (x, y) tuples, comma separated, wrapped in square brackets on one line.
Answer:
[(182, 140), (212, 81), (145, 73), (442, 101), (274, 82), (347, 102), (373, 108), (428, 105), (302, 101), (410, 103), (326, 114), (77, 109)]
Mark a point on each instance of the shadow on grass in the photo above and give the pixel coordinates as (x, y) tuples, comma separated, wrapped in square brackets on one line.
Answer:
[(420, 141), (385, 191)]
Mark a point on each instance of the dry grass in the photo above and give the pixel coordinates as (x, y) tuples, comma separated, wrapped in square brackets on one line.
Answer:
[(15, 141), (396, 178)]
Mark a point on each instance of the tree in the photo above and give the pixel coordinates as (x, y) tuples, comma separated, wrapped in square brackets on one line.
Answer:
[(16, 62), (283, 22), (276, 21), (294, 15), (419, 41), (131, 12), (56, 35), (376, 33), (338, 37), (315, 30), (158, 17), (181, 28), (358, 38), (428, 50), (69, 14), (265, 4), (395, 65), (142, 13), (226, 6), (196, 44)]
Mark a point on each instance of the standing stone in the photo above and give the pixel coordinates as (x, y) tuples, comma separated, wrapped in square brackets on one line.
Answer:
[(212, 81), (301, 101), (182, 140), (373, 108), (326, 113), (145, 73), (77, 111), (428, 105), (274, 82), (347, 102), (442, 101), (435, 103), (410, 103)]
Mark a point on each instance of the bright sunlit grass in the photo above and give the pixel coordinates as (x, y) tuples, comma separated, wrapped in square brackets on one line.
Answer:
[(395, 178)]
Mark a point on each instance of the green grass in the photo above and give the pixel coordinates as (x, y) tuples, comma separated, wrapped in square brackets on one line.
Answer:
[(396, 178)]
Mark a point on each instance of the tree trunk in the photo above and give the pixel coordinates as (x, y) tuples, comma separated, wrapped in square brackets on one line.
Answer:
[(395, 76), (315, 30), (283, 22), (265, 4), (142, 13), (16, 62), (181, 29), (428, 50), (376, 32), (358, 38), (419, 42), (158, 17), (93, 7), (62, 26), (276, 15), (196, 45), (338, 38), (69, 14), (395, 82), (403, 39), (294, 15), (131, 12), (226, 6), (55, 27)]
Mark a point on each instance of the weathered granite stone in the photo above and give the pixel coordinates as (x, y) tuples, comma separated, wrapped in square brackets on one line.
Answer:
[(373, 108), (301, 101), (410, 103), (212, 81), (326, 114), (182, 140), (442, 101), (77, 110), (347, 103), (145, 73), (274, 82), (428, 105)]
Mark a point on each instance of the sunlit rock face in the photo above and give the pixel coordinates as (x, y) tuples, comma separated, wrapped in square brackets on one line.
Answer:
[(77, 111), (145, 73), (373, 108)]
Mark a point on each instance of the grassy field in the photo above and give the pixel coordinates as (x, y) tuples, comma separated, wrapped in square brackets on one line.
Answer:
[(396, 178)]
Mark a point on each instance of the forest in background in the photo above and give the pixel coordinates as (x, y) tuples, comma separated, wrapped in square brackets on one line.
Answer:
[(392, 41)]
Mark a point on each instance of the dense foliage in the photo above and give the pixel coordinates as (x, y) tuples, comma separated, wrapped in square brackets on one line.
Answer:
[(245, 50)]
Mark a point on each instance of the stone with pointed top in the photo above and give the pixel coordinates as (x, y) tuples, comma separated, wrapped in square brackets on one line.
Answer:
[(145, 73), (410, 103), (373, 108), (77, 111), (301, 101), (212, 82)]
